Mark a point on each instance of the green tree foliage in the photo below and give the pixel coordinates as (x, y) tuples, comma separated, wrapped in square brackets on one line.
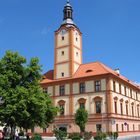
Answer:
[(81, 118), (24, 103)]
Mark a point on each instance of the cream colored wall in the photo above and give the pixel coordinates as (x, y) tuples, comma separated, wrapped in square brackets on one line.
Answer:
[(89, 86), (78, 42), (77, 58), (56, 90), (75, 88), (66, 99), (67, 89), (64, 42), (103, 84), (76, 66), (50, 90), (62, 68), (60, 57)]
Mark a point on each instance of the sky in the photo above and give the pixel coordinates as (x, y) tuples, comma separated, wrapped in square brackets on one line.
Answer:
[(111, 31)]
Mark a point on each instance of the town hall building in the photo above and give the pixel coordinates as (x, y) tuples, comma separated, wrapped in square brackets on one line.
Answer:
[(112, 101)]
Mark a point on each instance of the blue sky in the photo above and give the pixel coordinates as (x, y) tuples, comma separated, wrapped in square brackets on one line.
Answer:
[(111, 31)]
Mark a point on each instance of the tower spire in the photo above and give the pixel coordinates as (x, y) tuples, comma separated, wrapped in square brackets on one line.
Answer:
[(68, 14)]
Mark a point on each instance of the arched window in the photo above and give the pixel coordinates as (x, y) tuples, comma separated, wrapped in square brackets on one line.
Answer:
[(61, 104), (115, 104), (98, 104), (82, 102), (126, 106), (121, 106)]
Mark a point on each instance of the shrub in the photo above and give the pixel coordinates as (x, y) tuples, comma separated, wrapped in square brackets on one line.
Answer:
[(36, 136), (87, 135), (59, 134), (113, 135), (75, 136), (21, 133), (100, 136)]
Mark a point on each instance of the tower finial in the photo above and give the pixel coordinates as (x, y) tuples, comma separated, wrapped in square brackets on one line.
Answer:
[(68, 1)]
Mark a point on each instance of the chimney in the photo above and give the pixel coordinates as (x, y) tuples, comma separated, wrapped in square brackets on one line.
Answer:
[(117, 70)]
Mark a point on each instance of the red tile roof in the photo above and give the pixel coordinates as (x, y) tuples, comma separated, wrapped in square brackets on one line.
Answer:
[(85, 70)]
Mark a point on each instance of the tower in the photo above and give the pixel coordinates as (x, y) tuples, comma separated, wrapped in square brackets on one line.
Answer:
[(68, 46)]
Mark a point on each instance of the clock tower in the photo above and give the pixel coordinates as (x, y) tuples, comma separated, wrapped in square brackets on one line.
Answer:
[(68, 46)]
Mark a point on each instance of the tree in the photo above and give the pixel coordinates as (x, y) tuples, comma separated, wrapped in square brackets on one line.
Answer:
[(81, 118), (24, 103)]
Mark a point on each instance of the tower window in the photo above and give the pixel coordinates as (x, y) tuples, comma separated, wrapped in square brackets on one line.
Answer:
[(63, 38), (97, 86), (62, 53), (62, 74)]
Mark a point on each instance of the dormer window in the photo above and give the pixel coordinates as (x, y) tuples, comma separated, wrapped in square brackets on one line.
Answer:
[(89, 71)]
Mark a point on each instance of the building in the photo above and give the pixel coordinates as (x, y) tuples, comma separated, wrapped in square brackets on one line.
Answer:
[(112, 101)]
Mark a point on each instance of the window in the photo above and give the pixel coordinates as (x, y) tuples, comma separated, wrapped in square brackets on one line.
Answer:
[(32, 130), (114, 86), (121, 107), (125, 91), (62, 110), (122, 128), (44, 130), (116, 127), (126, 108), (98, 127), (115, 106), (62, 53), (63, 38), (127, 127), (120, 89), (82, 87), (82, 105), (138, 110), (131, 93), (76, 53), (76, 39), (136, 96), (97, 86), (62, 74), (139, 127), (62, 90), (132, 107), (133, 127), (98, 106), (45, 90)]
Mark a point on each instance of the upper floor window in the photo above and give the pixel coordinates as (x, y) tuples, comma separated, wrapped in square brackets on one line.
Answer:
[(62, 90), (126, 108), (125, 90), (97, 86), (98, 106), (121, 107), (114, 86), (131, 93), (82, 105), (82, 87), (138, 110), (76, 39), (120, 89), (62, 109)]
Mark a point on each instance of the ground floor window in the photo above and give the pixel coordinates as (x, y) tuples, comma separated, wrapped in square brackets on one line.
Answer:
[(63, 129), (116, 127), (98, 127)]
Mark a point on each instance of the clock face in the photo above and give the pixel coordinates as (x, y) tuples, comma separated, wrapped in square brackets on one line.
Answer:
[(63, 32)]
